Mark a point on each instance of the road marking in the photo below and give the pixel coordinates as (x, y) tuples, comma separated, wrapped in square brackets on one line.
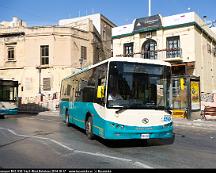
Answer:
[(104, 155), (78, 151), (62, 145), (142, 165), (53, 114)]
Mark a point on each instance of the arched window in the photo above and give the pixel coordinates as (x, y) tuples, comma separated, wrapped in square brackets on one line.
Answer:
[(149, 49)]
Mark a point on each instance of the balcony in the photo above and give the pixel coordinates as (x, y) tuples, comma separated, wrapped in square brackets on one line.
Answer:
[(168, 55), (171, 55)]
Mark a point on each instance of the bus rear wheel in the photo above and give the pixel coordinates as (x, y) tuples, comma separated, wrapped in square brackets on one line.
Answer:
[(88, 128), (67, 120)]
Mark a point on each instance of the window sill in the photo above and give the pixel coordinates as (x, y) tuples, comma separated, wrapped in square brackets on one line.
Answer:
[(174, 59), (43, 66), (8, 61)]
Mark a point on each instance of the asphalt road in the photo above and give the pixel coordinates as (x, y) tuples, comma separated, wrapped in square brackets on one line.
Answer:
[(45, 142)]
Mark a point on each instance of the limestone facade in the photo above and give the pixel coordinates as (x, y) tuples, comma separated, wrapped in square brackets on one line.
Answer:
[(39, 57)]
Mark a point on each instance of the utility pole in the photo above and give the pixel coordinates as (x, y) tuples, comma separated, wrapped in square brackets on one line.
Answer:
[(149, 11)]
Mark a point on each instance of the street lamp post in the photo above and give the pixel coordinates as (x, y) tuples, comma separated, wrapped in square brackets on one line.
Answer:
[(149, 11)]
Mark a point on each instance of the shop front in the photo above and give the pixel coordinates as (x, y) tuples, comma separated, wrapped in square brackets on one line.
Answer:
[(185, 96)]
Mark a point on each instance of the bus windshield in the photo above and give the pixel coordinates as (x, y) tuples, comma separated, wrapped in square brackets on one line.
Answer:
[(8, 91), (136, 85)]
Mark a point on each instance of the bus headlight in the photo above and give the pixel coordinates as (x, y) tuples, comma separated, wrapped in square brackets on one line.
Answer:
[(118, 126)]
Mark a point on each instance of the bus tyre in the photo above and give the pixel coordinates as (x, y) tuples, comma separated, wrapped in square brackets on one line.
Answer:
[(171, 140), (67, 120), (88, 128)]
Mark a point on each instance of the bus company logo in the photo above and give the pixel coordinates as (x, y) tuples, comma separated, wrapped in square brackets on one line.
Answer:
[(145, 120)]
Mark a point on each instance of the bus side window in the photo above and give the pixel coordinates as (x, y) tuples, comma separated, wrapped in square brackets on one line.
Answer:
[(101, 72), (88, 94), (86, 87)]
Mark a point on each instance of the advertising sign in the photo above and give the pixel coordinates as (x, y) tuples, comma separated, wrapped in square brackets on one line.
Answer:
[(147, 22), (195, 95)]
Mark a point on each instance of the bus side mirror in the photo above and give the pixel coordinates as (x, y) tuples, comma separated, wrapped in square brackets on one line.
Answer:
[(100, 91)]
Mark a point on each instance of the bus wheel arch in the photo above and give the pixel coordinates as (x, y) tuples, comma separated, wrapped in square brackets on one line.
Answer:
[(89, 126)]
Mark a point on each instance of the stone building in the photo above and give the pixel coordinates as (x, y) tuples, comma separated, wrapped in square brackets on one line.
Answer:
[(184, 40), (39, 57)]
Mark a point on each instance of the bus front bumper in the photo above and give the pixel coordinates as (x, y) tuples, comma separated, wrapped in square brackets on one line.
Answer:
[(114, 131)]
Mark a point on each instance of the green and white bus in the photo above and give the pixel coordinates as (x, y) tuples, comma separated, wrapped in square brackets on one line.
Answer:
[(141, 110)]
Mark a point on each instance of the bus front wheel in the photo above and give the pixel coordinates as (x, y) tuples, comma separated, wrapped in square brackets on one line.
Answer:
[(88, 128)]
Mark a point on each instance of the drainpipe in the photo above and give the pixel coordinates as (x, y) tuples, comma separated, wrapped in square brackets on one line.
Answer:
[(39, 71)]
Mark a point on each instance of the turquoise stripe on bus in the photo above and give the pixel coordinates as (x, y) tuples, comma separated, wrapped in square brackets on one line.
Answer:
[(78, 111), (111, 130), (8, 111)]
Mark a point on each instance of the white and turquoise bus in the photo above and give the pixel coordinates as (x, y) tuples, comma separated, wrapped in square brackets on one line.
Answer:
[(8, 97), (139, 108)]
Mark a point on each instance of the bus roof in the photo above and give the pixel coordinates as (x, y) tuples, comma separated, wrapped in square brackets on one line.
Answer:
[(123, 59), (5, 79)]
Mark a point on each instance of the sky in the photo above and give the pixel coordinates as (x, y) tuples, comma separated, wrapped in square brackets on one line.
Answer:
[(120, 12)]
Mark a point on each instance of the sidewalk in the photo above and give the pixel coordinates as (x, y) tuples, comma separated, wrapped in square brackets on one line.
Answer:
[(49, 113), (204, 124)]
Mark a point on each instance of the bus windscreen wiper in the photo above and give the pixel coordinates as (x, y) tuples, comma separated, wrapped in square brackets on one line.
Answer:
[(168, 110), (123, 108)]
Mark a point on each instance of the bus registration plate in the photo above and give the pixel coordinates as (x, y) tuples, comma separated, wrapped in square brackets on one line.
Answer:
[(144, 136)]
